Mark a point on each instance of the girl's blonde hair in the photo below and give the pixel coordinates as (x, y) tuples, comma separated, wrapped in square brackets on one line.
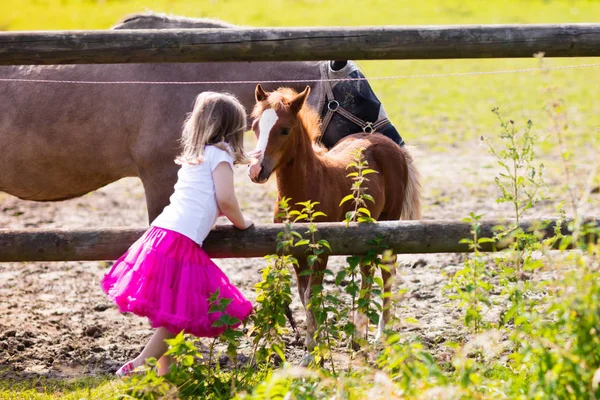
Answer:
[(217, 119)]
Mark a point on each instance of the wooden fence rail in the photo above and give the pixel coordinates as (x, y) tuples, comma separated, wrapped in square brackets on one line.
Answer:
[(228, 242), (294, 44)]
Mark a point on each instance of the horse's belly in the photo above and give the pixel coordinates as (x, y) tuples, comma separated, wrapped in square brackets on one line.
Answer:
[(33, 166), (59, 142), (48, 179)]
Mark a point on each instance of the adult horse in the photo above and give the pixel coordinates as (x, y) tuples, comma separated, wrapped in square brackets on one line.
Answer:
[(63, 140), (287, 133)]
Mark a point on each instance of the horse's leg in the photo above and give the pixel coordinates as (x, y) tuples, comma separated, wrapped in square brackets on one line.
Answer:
[(388, 273), (158, 181)]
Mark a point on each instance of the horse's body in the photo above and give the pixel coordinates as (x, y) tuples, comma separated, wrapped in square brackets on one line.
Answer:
[(306, 171), (60, 140)]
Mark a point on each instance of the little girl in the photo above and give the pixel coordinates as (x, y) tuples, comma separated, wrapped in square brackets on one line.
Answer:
[(165, 275)]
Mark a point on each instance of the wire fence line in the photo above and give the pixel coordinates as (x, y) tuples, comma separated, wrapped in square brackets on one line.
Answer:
[(393, 77)]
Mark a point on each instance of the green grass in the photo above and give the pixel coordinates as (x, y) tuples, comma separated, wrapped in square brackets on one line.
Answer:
[(100, 387), (433, 113), (101, 14)]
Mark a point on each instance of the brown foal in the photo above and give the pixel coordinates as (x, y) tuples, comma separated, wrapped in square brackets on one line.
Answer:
[(287, 131)]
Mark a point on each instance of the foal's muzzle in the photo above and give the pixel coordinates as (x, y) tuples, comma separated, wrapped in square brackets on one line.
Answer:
[(257, 173)]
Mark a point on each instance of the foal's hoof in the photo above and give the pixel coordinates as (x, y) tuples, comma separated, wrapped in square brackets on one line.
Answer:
[(358, 342), (307, 360)]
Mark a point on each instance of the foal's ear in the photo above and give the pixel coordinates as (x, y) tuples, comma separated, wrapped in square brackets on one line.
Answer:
[(259, 93), (298, 101)]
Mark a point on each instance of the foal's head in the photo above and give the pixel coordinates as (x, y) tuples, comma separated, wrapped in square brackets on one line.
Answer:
[(282, 125)]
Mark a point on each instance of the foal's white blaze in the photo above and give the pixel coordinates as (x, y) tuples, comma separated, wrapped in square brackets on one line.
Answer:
[(267, 121)]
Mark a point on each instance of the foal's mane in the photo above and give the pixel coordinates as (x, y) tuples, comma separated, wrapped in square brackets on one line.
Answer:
[(280, 100)]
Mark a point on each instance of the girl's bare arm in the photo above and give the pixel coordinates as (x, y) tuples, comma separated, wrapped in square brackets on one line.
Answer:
[(225, 194)]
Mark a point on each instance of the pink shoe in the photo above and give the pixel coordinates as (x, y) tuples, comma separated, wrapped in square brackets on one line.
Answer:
[(125, 370)]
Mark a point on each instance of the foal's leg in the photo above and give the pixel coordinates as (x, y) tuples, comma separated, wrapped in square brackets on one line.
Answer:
[(361, 319), (388, 273), (305, 285)]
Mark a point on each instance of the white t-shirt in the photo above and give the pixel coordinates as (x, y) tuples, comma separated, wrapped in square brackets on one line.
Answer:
[(193, 208)]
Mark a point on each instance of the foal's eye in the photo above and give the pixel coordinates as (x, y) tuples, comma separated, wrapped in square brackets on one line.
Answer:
[(285, 131)]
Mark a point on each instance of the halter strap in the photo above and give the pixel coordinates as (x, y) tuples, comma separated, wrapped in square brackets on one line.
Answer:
[(333, 106)]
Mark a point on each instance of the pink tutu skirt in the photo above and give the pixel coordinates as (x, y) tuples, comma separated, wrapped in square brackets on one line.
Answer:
[(167, 277)]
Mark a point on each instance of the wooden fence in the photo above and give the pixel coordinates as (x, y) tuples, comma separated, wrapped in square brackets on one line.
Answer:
[(295, 44), (285, 44), (435, 236)]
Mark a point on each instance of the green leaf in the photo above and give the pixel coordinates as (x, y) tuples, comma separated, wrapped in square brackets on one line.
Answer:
[(301, 217), (340, 277), (214, 296), (302, 242), (367, 197), (353, 261), (352, 175), (345, 199), (218, 323), (311, 259), (319, 214), (187, 361), (277, 349), (365, 211), (365, 219), (324, 243), (369, 171), (350, 215)]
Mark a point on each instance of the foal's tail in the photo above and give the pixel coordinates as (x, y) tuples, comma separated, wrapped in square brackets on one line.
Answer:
[(411, 206)]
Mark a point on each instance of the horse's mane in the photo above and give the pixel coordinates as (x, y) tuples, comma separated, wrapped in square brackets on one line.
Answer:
[(152, 20), (280, 99)]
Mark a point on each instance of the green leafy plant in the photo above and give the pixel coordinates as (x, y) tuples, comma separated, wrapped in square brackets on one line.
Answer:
[(559, 350), (471, 285), (362, 297), (359, 196), (543, 346), (519, 181), (274, 294), (323, 305), (191, 374)]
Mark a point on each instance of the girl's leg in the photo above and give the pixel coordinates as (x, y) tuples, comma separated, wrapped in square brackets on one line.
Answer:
[(164, 363), (156, 347)]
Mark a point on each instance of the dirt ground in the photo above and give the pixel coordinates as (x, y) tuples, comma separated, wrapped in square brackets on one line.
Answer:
[(56, 322)]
